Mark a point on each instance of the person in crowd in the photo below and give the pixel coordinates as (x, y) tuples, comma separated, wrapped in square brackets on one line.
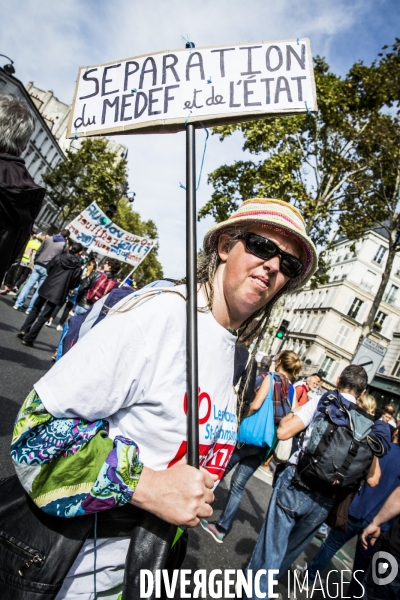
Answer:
[(246, 457), (20, 197), (51, 247), (134, 383), (365, 504), (89, 265), (368, 403), (63, 273), (96, 285), (378, 584), (388, 415), (305, 388), (19, 272), (262, 371), (296, 511)]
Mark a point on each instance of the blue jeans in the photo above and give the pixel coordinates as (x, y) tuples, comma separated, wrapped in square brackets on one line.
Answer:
[(38, 275), (293, 518), (247, 458), (79, 310), (335, 540)]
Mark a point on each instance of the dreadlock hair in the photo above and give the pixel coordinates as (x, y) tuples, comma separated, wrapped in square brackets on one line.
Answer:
[(255, 326)]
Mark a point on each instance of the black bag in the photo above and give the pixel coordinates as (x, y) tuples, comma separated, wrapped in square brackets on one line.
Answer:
[(338, 454), (37, 550)]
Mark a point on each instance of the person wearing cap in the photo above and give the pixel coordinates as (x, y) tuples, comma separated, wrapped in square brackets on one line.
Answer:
[(134, 379)]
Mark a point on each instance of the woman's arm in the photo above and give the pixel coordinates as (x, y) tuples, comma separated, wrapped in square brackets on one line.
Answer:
[(374, 473), (260, 397)]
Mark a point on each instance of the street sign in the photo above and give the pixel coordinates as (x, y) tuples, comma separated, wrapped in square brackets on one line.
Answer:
[(369, 356), (163, 91)]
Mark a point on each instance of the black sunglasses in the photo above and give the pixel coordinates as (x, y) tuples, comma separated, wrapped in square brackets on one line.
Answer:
[(264, 248)]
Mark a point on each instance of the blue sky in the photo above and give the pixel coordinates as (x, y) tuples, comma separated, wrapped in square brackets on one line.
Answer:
[(49, 40)]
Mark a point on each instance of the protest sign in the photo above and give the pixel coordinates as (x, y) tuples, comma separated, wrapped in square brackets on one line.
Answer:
[(160, 92), (95, 231)]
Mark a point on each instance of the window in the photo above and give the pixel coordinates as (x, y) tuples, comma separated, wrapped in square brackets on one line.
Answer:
[(391, 295), (310, 324), (341, 335), (380, 255), (396, 368), (380, 317), (355, 307), (318, 323), (368, 281), (326, 365)]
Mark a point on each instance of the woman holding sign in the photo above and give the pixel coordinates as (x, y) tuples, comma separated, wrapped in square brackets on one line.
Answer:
[(104, 431)]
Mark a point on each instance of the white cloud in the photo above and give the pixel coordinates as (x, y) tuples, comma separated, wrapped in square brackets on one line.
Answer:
[(49, 41)]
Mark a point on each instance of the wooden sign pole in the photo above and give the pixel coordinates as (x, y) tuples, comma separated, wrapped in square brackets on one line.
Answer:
[(191, 304)]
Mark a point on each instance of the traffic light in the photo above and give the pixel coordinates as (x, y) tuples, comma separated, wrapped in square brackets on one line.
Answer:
[(110, 212), (282, 330)]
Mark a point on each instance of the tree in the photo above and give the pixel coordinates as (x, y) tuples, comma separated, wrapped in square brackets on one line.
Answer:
[(150, 269), (91, 173), (373, 199), (310, 160)]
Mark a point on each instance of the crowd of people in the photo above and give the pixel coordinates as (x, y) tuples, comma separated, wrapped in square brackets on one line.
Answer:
[(102, 485), (56, 275)]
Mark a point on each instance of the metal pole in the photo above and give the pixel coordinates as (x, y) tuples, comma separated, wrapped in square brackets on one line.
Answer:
[(191, 304)]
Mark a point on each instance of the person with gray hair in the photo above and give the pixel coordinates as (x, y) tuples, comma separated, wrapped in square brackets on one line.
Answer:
[(20, 197)]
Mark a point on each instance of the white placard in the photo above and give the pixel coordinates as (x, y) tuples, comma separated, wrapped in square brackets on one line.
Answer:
[(218, 85), (107, 238), (369, 356)]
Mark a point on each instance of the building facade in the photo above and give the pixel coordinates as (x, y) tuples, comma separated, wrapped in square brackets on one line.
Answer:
[(325, 324), (56, 113), (42, 151)]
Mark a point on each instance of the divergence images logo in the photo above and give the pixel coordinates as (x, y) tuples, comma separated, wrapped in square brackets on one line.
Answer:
[(380, 568)]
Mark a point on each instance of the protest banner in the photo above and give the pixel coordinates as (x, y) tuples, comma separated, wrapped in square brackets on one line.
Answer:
[(159, 92), (95, 231)]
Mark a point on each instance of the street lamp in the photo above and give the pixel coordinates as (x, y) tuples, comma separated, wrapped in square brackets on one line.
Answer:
[(8, 68)]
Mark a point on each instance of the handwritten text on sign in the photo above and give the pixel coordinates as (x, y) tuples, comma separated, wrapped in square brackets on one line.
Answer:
[(108, 239), (219, 85)]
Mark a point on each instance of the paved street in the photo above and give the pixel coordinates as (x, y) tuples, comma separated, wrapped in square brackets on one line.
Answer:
[(20, 367)]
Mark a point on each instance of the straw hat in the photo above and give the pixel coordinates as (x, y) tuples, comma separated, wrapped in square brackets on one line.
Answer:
[(279, 215)]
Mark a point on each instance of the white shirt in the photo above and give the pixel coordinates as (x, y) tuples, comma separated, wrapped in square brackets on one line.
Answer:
[(131, 370)]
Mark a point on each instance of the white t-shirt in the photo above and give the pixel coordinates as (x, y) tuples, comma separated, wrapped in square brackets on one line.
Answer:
[(306, 414), (131, 370)]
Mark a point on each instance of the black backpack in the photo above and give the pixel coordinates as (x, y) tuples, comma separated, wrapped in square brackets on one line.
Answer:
[(339, 452)]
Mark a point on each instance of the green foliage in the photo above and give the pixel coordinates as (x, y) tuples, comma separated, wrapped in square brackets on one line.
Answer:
[(150, 269), (311, 160), (92, 173), (373, 199)]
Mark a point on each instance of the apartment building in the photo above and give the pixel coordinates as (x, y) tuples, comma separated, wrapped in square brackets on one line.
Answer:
[(56, 114), (325, 324)]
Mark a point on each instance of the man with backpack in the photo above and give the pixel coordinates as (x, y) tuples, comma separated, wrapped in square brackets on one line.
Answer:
[(339, 448), (97, 285)]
